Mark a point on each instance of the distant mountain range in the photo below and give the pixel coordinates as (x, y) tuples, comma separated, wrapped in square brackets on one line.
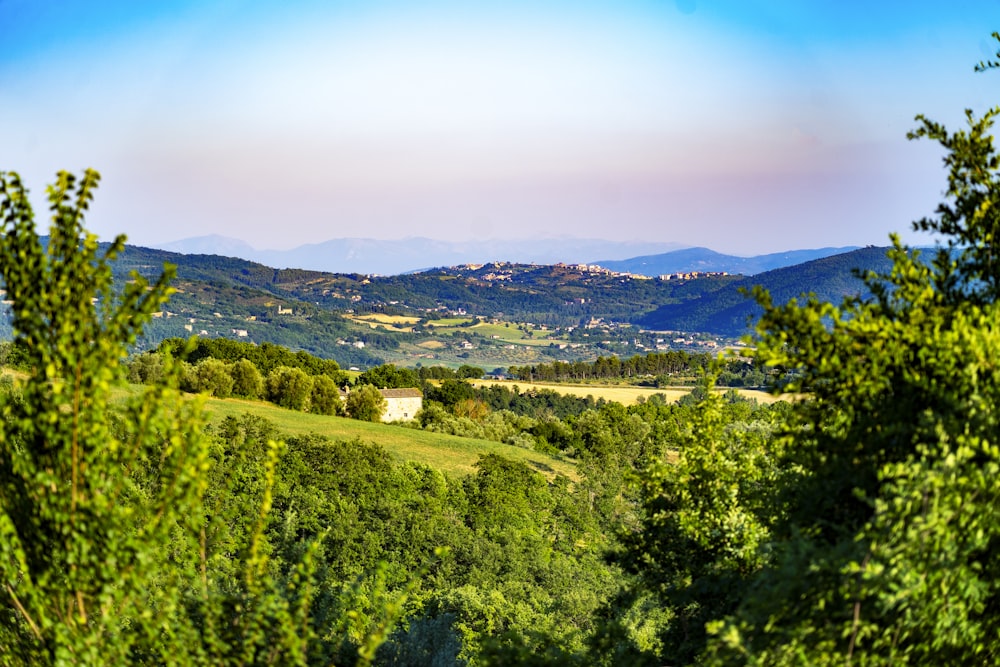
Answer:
[(223, 296), (558, 294), (387, 258), (688, 260), (372, 256)]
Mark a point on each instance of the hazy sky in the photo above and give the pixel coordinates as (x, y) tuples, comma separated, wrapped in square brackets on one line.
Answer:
[(740, 125)]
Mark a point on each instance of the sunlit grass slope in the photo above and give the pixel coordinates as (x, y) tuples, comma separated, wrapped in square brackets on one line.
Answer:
[(450, 454)]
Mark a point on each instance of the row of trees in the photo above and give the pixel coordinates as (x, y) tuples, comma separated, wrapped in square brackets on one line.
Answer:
[(536, 402), (666, 368), (264, 357), (463, 372), (292, 387), (286, 386)]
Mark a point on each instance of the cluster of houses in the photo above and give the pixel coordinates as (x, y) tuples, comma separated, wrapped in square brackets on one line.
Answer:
[(691, 275), (598, 270)]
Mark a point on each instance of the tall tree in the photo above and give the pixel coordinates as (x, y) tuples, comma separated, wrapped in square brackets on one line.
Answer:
[(365, 402), (107, 553), (866, 531), (81, 540), (885, 554)]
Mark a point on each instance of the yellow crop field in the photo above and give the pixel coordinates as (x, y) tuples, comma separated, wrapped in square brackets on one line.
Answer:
[(400, 323), (625, 395), (382, 318)]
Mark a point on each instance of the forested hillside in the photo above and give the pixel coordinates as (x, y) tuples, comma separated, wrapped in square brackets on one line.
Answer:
[(223, 295), (545, 294), (730, 312)]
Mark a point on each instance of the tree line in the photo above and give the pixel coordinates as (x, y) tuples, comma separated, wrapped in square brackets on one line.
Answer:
[(294, 380), (656, 368)]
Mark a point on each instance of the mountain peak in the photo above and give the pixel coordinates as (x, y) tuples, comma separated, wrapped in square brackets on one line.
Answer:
[(210, 244)]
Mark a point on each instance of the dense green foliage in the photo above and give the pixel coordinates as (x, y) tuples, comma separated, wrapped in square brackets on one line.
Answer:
[(265, 357), (505, 570), (107, 555), (389, 376), (220, 368), (366, 403), (463, 372), (535, 403), (865, 529), (897, 451)]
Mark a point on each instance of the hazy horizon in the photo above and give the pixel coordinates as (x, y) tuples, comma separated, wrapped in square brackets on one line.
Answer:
[(746, 127), (207, 238)]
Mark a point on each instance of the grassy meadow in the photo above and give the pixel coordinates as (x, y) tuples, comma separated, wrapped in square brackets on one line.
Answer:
[(451, 454)]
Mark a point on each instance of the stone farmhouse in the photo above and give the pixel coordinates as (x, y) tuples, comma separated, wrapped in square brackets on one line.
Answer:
[(401, 404)]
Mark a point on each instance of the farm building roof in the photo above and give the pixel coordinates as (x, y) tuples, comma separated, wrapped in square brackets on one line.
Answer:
[(402, 393)]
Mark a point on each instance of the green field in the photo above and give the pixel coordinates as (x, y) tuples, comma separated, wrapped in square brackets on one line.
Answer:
[(504, 332), (448, 453), (512, 334), (446, 322)]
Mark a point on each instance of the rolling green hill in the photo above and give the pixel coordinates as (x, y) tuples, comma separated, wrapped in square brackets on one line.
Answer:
[(727, 311), (546, 294), (233, 298), (451, 454)]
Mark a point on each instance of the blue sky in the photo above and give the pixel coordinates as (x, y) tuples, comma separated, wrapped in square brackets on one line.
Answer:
[(744, 126)]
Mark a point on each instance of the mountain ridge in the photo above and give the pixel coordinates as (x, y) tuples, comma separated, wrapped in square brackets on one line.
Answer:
[(589, 310), (687, 260), (409, 255)]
